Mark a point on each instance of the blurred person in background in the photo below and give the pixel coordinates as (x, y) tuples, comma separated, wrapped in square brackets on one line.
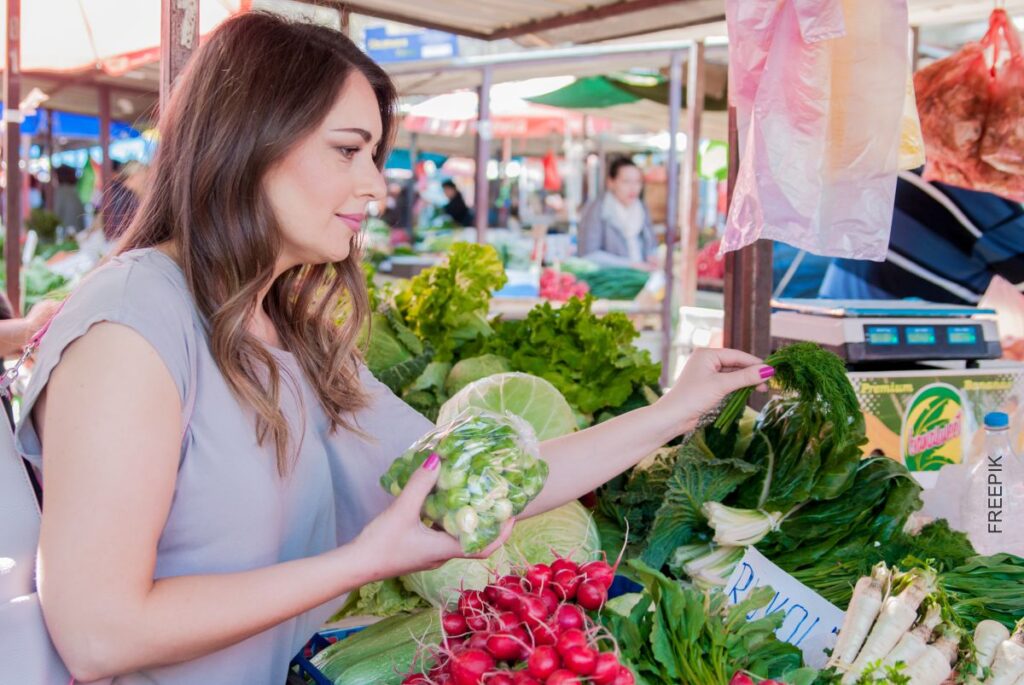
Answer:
[(67, 204), (456, 207), (121, 199), (615, 229)]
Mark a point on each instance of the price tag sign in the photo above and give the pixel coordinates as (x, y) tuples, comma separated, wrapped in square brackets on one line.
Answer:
[(812, 623)]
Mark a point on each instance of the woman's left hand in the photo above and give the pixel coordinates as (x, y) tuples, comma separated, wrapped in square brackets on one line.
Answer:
[(709, 376)]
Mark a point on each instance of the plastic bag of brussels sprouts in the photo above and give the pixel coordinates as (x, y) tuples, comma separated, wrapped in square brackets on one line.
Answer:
[(490, 470)]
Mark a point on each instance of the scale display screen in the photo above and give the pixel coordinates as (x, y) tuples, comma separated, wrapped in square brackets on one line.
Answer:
[(962, 335), (920, 335), (882, 335)]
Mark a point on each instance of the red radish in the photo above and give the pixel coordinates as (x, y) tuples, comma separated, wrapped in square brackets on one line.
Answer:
[(544, 634), (580, 660), (532, 608), (573, 637), (741, 678), (471, 602), (565, 583), (625, 677), (499, 678), (477, 622), (509, 598), (506, 620), (511, 581), (606, 669), (525, 642), (453, 624), (771, 682), (524, 678), (453, 643), (416, 679), (591, 595), (550, 600), (477, 641), (562, 564), (503, 646), (543, 662), (600, 572), (538, 576), (569, 616), (562, 677), (468, 667)]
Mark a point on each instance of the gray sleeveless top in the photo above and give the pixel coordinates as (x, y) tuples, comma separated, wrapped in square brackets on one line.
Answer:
[(231, 510)]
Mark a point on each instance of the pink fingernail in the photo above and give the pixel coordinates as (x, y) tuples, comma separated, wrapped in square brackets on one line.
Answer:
[(432, 461), (767, 372)]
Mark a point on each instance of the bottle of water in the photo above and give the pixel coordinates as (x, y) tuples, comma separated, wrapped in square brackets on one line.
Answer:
[(993, 498)]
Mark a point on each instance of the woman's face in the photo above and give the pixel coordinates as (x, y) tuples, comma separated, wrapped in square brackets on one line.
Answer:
[(627, 186), (320, 189)]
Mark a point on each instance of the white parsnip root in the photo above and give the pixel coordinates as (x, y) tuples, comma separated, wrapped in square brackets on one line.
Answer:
[(987, 636), (860, 616), (1008, 663), (936, 662), (913, 644), (896, 617)]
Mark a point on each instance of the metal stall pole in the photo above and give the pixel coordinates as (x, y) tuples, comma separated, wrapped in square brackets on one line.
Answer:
[(49, 188), (675, 103), (691, 178), (483, 153), (179, 36), (12, 154)]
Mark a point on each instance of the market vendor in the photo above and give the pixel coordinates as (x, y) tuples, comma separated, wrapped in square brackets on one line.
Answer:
[(456, 208), (210, 443), (615, 229)]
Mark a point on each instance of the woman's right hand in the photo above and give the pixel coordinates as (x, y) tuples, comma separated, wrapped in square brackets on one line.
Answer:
[(398, 543)]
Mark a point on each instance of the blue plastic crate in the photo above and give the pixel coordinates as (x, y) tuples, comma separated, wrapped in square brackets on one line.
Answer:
[(302, 665)]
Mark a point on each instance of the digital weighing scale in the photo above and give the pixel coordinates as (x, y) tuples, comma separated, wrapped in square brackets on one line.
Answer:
[(887, 332)]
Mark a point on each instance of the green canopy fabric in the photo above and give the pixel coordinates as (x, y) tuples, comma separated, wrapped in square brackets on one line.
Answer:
[(584, 93), (594, 92)]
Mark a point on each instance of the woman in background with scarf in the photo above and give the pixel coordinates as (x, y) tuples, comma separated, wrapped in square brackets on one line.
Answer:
[(616, 229)]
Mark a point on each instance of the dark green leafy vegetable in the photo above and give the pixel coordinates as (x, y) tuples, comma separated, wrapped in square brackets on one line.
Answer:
[(447, 305), (394, 354), (590, 359), (695, 479), (694, 637), (811, 373), (986, 588)]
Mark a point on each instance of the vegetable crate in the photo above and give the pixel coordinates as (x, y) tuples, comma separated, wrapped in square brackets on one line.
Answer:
[(301, 664)]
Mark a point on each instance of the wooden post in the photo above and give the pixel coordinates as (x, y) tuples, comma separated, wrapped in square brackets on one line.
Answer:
[(915, 47), (483, 153), (691, 175), (675, 103), (12, 154), (107, 167), (179, 36), (748, 280)]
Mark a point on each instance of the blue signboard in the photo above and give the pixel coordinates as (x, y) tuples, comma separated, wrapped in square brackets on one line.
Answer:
[(385, 46)]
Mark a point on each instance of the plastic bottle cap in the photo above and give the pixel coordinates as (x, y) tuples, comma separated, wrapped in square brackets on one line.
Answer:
[(996, 419)]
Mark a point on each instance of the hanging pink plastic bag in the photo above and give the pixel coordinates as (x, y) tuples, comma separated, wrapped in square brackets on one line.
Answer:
[(1002, 146), (819, 88)]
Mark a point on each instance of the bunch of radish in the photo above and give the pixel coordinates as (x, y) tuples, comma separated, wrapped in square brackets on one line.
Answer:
[(529, 628), (741, 678), (560, 287)]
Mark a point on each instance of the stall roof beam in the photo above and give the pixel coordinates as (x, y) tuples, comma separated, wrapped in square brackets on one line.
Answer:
[(400, 17), (12, 154), (583, 16)]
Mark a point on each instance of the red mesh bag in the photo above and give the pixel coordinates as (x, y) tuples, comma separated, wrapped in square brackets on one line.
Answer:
[(972, 114), (1002, 145)]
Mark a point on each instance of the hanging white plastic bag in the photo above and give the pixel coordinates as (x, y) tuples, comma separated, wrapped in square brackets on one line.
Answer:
[(819, 87)]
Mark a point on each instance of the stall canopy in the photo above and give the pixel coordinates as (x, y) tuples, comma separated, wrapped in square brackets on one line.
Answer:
[(544, 22), (69, 125), (111, 36)]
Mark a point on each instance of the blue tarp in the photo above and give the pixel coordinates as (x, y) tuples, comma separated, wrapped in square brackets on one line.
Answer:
[(400, 159), (70, 125)]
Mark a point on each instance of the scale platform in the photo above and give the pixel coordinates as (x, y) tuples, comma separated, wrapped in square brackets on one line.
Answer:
[(888, 331)]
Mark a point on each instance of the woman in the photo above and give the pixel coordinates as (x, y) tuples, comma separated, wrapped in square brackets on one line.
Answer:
[(210, 442), (615, 229)]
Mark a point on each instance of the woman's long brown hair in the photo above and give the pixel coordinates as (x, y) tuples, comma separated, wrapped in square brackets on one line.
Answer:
[(255, 88)]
